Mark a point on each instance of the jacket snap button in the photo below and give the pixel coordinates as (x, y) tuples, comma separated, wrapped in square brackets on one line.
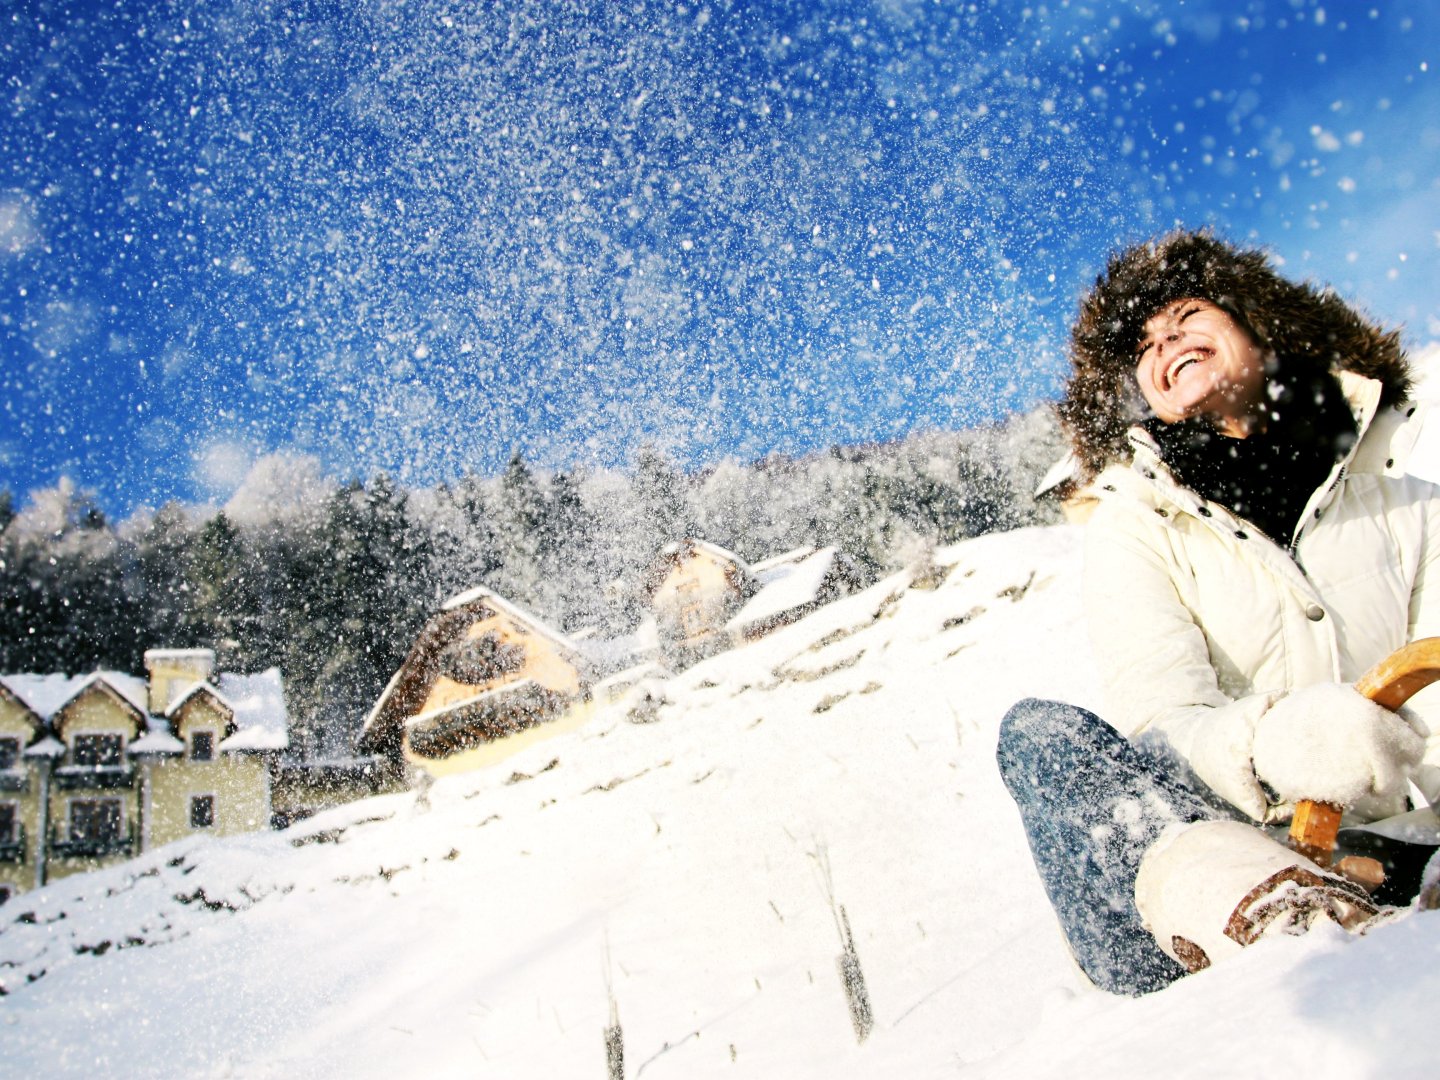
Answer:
[(1315, 613), (1241, 534), (1204, 511), (1162, 511), (1389, 463)]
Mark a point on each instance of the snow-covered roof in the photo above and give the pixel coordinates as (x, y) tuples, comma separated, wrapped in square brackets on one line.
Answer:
[(194, 689), (776, 565), (796, 587), (717, 552), (49, 746), (45, 695), (258, 701), (41, 694), (158, 740)]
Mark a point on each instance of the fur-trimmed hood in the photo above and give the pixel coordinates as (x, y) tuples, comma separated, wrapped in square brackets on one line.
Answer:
[(1297, 324)]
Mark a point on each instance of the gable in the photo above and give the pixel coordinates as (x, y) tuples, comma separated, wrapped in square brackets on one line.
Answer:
[(201, 708), (16, 717), (97, 707)]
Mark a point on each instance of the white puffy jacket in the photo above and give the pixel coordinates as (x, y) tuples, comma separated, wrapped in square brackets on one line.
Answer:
[(1199, 623)]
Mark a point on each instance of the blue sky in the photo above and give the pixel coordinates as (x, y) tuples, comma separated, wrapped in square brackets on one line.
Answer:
[(415, 236)]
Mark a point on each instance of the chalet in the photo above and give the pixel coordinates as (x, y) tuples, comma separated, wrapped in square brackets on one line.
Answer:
[(97, 768), (484, 678), (790, 587), (694, 588)]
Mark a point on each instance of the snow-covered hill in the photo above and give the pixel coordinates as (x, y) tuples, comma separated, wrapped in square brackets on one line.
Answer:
[(692, 870)]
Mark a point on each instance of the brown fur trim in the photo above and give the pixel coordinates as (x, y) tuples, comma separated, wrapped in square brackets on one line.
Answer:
[(1297, 323)]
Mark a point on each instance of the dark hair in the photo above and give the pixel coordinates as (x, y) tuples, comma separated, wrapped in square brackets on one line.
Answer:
[(1299, 324)]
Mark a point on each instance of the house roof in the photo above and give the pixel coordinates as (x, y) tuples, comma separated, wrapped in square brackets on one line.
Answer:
[(157, 740), (46, 695), (767, 570), (693, 544), (49, 746), (194, 690), (799, 584), (257, 702)]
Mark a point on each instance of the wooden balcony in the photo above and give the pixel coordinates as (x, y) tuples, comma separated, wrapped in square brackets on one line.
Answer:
[(94, 777), (92, 847)]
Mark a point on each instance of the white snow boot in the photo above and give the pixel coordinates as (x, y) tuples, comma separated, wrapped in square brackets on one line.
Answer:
[(1207, 889)]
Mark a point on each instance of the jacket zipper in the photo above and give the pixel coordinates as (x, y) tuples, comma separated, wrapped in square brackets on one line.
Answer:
[(1295, 540)]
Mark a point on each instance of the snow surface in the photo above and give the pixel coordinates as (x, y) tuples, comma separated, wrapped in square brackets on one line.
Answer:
[(687, 865)]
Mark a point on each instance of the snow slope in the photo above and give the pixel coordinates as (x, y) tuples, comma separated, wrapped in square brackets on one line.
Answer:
[(686, 867)]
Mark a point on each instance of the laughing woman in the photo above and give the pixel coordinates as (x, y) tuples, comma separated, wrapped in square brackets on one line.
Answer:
[(1257, 546)]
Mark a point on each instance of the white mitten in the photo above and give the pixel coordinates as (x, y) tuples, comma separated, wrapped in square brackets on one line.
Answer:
[(1332, 744)]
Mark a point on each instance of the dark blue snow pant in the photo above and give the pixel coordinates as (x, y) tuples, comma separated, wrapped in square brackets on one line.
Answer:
[(1092, 802)]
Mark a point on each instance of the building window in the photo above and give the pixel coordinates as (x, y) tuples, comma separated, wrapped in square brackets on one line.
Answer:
[(202, 746), (9, 753), (9, 823), (98, 750), (476, 661), (202, 811), (94, 820)]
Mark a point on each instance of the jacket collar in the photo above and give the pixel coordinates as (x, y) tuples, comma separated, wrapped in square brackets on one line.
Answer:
[(1362, 394)]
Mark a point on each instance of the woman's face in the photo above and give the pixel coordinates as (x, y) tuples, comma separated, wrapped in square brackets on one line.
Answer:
[(1194, 360)]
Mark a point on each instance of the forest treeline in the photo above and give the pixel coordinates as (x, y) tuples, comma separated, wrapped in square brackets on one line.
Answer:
[(330, 582)]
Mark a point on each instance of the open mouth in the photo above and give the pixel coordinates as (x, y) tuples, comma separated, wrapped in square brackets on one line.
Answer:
[(1180, 363)]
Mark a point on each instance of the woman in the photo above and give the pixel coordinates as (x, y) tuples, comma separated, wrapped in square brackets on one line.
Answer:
[(1257, 546)]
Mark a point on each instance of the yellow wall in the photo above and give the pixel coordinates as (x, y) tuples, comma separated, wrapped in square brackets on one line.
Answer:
[(239, 782)]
